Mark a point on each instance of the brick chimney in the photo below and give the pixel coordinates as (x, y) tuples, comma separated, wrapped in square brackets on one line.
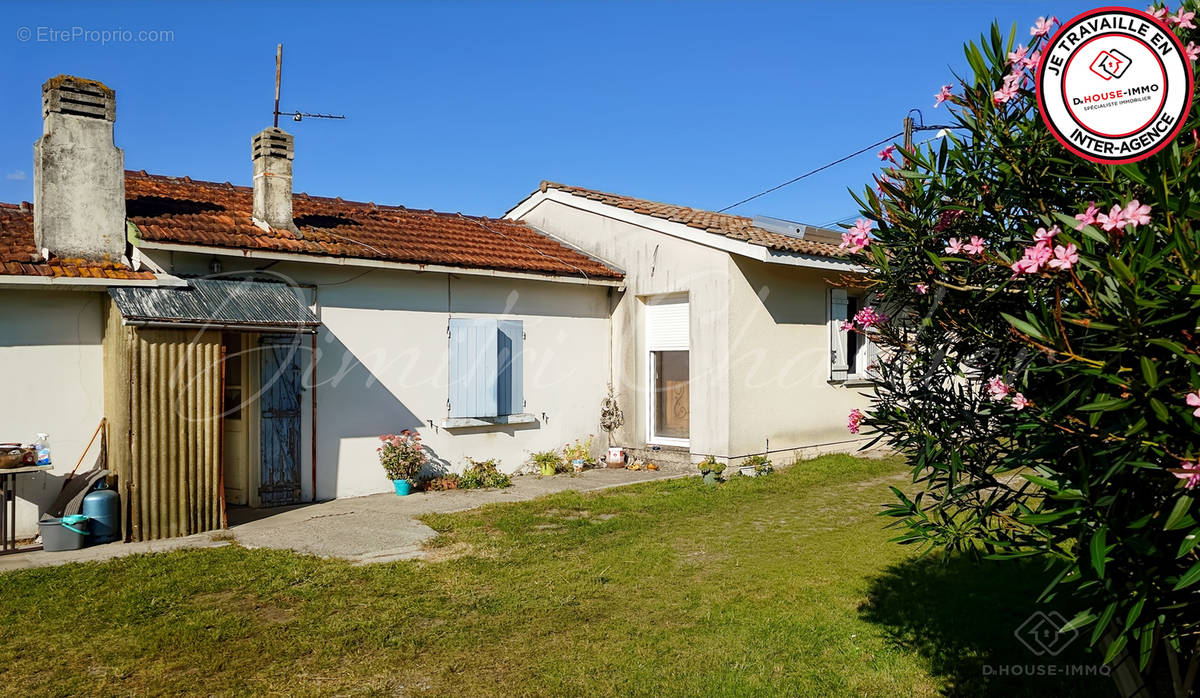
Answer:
[(78, 173), (272, 152)]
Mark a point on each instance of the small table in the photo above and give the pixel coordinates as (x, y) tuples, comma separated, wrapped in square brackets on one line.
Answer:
[(8, 516)]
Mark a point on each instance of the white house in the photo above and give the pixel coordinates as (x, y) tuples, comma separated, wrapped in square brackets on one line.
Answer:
[(249, 345), (338, 322), (727, 340)]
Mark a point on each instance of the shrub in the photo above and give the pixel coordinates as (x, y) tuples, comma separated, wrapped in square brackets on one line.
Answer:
[(402, 455), (543, 461), (710, 465), (580, 450), (762, 464), (1038, 318), (482, 474)]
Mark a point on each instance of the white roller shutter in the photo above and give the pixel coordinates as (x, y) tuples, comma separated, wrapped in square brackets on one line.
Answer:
[(667, 323)]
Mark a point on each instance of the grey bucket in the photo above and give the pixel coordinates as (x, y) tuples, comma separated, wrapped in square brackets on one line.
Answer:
[(66, 533)]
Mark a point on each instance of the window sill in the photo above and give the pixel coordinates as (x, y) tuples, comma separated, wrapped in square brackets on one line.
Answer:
[(468, 422), (853, 382)]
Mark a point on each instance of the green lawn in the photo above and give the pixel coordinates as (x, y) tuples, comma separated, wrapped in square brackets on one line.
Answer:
[(784, 585)]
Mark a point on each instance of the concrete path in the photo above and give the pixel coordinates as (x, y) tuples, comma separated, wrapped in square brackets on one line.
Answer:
[(375, 528)]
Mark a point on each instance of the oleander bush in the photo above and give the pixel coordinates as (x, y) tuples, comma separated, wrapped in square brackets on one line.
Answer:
[(1039, 318)]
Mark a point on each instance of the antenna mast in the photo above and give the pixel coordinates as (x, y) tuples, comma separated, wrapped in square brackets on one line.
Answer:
[(296, 115)]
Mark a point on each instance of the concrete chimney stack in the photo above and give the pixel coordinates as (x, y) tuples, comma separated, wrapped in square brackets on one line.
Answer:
[(78, 173), (272, 152)]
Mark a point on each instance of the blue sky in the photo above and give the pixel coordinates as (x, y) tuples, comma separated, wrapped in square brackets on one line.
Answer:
[(460, 106)]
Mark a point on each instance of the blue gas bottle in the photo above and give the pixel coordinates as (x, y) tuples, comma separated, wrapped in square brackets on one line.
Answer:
[(103, 507)]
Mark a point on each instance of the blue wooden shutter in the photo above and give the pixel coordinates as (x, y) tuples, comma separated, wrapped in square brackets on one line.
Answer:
[(510, 380), (473, 362)]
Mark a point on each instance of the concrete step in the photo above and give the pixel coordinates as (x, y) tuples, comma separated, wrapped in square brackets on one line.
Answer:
[(667, 458)]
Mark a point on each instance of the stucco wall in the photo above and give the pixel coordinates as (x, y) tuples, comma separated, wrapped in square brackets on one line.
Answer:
[(382, 364), (657, 264), (51, 373), (779, 378)]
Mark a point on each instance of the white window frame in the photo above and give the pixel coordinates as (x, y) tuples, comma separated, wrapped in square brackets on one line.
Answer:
[(866, 352), (648, 366)]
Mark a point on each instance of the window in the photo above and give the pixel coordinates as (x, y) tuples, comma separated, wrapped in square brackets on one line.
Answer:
[(668, 369), (850, 353), (486, 377)]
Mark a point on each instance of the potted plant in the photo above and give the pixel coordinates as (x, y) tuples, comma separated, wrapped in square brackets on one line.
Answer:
[(402, 457), (756, 465), (547, 462), (711, 470), (578, 453)]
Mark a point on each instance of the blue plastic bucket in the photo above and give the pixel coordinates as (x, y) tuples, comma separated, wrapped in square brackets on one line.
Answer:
[(402, 487)]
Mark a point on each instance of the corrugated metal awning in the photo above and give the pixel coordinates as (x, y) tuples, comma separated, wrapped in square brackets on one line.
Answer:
[(252, 306)]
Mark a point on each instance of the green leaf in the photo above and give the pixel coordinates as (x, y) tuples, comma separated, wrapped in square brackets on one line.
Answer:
[(1099, 550), (1134, 613), (1042, 482), (1102, 623), (1023, 326), (1121, 269), (1115, 648), (1189, 541), (1149, 371), (1189, 578), (1081, 620), (1160, 410), (1179, 511)]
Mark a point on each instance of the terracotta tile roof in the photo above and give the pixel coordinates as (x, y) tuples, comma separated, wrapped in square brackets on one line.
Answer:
[(186, 211), (727, 224), (19, 257)]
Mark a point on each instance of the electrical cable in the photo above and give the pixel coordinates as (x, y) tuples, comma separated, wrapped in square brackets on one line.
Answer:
[(937, 127)]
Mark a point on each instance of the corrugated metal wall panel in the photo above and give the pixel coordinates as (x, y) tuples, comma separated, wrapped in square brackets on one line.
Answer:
[(175, 429)]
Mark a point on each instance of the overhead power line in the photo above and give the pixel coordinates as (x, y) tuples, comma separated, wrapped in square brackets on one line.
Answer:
[(840, 160)]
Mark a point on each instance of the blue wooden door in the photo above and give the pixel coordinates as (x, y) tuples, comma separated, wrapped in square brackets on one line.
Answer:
[(280, 400)]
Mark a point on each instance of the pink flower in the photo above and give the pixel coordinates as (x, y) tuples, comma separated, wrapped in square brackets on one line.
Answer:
[(1019, 402), (1087, 217), (998, 388), (1064, 257), (942, 95), (922, 289), (1137, 213), (1004, 94), (1017, 58), (954, 246), (857, 237), (1159, 13), (1114, 220), (1043, 235), (1192, 51), (1191, 478), (869, 317), (1032, 59), (854, 421), (975, 246), (1183, 19), (1193, 400), (847, 325), (1035, 257), (888, 153), (1016, 78), (1042, 26)]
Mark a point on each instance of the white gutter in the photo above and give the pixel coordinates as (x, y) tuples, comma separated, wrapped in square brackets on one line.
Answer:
[(372, 263), (77, 283), (684, 232)]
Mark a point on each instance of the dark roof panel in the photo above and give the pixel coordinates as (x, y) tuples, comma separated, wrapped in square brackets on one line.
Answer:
[(218, 304)]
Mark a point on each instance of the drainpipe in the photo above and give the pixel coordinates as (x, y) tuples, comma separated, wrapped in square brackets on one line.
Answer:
[(312, 436)]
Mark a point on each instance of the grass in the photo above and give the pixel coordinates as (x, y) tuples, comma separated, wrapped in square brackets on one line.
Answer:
[(783, 585)]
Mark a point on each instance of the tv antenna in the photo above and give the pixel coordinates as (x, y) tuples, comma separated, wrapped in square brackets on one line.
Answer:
[(296, 115)]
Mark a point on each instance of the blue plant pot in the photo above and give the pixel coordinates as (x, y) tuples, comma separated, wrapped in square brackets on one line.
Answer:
[(403, 487)]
